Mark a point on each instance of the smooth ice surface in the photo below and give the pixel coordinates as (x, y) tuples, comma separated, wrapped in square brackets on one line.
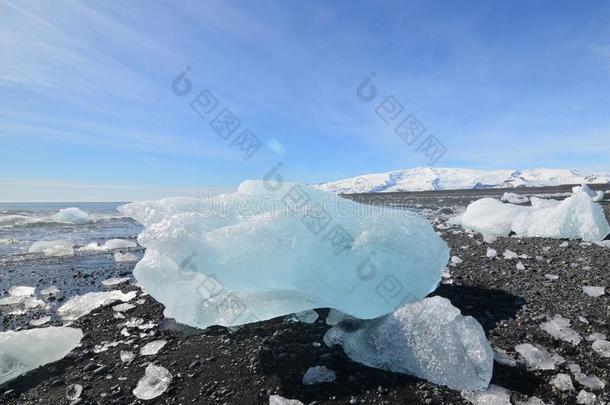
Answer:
[(26, 350), (429, 339), (538, 358), (52, 248), (318, 375), (260, 253), (155, 382), (494, 395), (559, 328), (309, 316), (83, 304), (72, 216), (576, 217), (514, 198)]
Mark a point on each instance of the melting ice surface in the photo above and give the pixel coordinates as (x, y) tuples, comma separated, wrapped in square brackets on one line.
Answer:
[(26, 350), (429, 339), (72, 215), (271, 250), (576, 217)]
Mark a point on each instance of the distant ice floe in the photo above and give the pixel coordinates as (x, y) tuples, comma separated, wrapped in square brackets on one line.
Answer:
[(280, 248), (53, 248), (576, 217), (429, 339), (83, 304), (110, 244), (125, 257), (26, 350), (72, 215)]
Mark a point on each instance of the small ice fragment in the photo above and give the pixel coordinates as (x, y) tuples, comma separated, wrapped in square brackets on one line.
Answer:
[(51, 291), (119, 244), (309, 316), (562, 382), (83, 304), (429, 339), (591, 382), (72, 215), (125, 257), (31, 302), (559, 328), (494, 395), (514, 198), (335, 317), (599, 196), (509, 254), (491, 253), (531, 401), (586, 398), (318, 375), (73, 391), (593, 291), (40, 321), (28, 349), (155, 382), (53, 248), (551, 277), (277, 400), (520, 266), (127, 356), (501, 357), (104, 346), (602, 347), (124, 307), (455, 260), (564, 244), (538, 358), (22, 291), (595, 336), (111, 282), (153, 347)]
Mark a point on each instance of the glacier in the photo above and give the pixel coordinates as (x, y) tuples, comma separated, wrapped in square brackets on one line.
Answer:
[(264, 252), (576, 217), (26, 350), (430, 339)]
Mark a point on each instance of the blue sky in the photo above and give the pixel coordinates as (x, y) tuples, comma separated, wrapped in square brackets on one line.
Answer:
[(87, 110)]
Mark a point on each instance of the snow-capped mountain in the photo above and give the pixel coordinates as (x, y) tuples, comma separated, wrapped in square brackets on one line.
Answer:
[(427, 178)]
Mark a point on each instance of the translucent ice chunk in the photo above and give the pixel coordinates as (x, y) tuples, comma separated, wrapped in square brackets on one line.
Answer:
[(26, 350), (576, 217), (429, 339), (264, 252), (559, 328), (83, 304), (52, 248), (72, 215), (538, 358), (155, 382)]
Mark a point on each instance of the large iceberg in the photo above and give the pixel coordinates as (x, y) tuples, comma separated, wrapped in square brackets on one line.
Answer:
[(576, 217), (26, 350), (429, 339), (266, 251)]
